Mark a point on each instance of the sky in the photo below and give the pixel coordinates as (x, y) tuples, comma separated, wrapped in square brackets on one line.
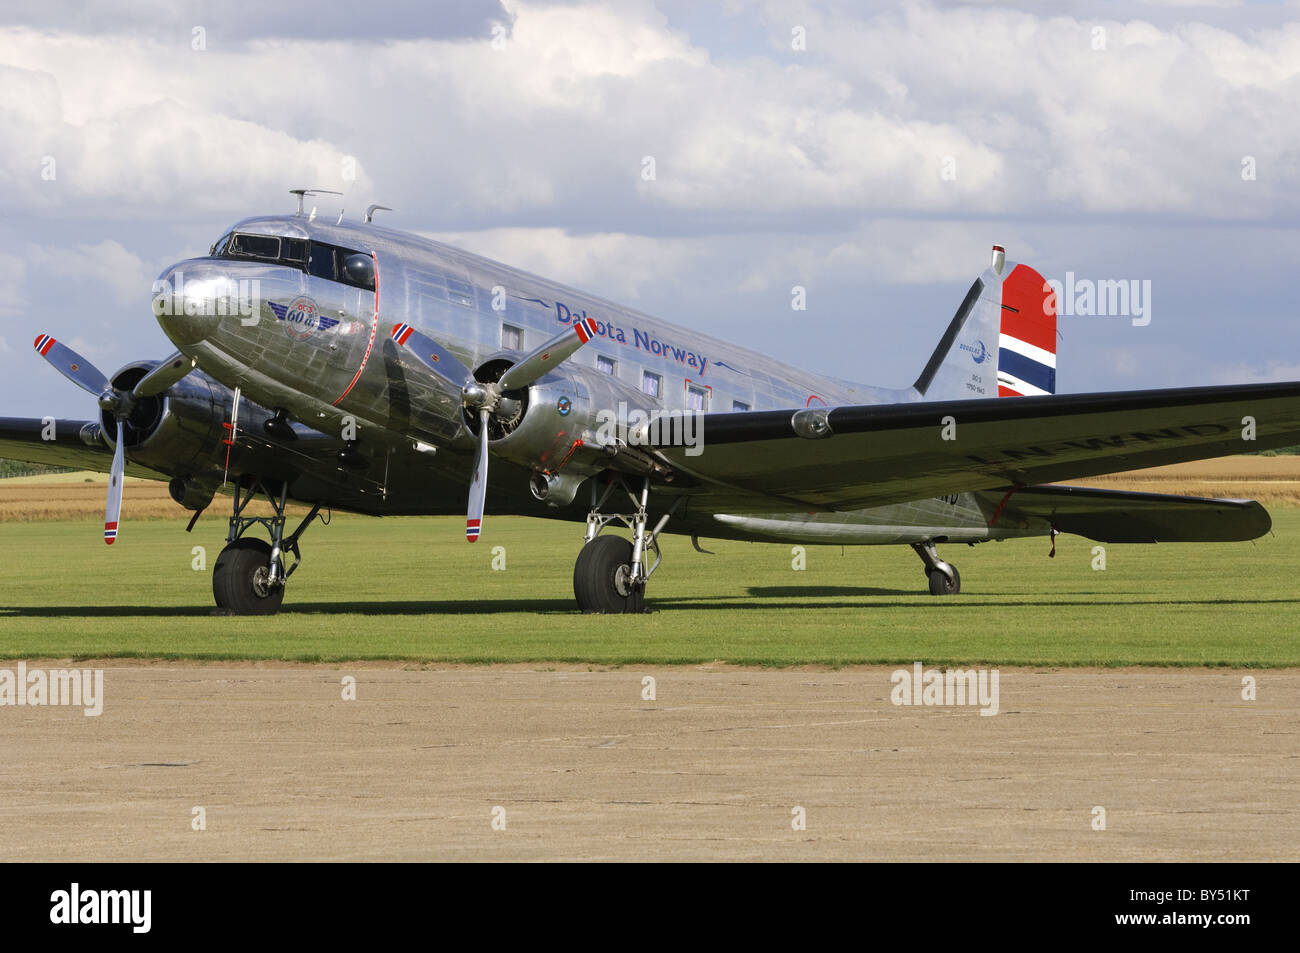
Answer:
[(869, 153)]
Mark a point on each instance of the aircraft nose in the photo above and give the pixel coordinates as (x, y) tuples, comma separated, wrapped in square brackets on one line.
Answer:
[(191, 298)]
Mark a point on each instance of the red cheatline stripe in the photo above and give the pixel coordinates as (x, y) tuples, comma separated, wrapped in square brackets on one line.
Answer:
[(374, 327), (1008, 392), (1034, 319)]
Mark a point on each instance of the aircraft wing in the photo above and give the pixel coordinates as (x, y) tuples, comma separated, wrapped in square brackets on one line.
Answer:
[(845, 458), (76, 444)]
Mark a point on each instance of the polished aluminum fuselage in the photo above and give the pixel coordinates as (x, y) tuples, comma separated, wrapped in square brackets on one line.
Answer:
[(338, 369)]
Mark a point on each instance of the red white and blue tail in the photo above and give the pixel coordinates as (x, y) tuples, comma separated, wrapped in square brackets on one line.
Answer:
[(1001, 342), (1027, 342)]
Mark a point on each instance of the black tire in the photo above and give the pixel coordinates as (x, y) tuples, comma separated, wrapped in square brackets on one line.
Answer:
[(599, 577), (941, 585), (239, 579)]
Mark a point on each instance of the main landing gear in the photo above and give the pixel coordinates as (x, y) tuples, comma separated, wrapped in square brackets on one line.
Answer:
[(944, 578), (250, 574), (611, 573)]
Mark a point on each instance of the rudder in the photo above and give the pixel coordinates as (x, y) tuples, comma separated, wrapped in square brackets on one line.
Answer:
[(1002, 340)]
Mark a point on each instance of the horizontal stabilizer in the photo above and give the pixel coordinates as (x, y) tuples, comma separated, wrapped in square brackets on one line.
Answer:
[(1121, 516)]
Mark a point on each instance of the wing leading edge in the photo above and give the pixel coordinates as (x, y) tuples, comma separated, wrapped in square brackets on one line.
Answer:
[(58, 443)]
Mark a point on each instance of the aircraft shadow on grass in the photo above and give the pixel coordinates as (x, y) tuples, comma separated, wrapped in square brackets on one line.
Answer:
[(783, 594)]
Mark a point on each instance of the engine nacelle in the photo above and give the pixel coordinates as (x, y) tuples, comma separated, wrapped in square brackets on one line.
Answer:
[(567, 422), (174, 432)]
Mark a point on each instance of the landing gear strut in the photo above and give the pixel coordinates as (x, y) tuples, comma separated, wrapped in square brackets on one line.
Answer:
[(611, 573), (250, 574), (944, 578)]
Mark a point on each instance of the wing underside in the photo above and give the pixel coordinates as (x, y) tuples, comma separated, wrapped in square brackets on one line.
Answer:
[(77, 444)]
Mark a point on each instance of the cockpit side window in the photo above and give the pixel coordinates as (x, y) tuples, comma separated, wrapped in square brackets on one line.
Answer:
[(293, 250), (259, 247), (321, 261)]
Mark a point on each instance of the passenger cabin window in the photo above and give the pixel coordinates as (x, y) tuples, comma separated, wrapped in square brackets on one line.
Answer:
[(696, 398), (512, 339), (605, 364), (651, 384), (739, 406)]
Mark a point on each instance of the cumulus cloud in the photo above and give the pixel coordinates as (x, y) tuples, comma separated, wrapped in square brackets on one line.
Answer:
[(960, 110), (103, 265), (875, 167)]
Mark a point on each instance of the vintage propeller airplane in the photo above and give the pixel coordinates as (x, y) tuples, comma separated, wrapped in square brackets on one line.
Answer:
[(347, 366)]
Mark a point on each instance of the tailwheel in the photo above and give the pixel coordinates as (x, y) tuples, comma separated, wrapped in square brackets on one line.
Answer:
[(942, 585), (943, 576), (242, 581), (603, 578)]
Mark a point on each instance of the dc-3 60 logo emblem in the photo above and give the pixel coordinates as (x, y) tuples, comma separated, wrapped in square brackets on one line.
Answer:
[(564, 405), (301, 317)]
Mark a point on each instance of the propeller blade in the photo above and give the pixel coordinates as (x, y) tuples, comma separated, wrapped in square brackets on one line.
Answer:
[(478, 485), (72, 365), (432, 355), (113, 511), (557, 349), (164, 375)]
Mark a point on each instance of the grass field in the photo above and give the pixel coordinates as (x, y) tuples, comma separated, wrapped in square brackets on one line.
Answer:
[(413, 589)]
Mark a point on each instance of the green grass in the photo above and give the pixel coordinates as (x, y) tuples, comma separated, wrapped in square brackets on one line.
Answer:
[(413, 589)]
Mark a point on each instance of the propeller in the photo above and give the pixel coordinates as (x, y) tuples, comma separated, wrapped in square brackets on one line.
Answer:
[(163, 376), (487, 396), (119, 403)]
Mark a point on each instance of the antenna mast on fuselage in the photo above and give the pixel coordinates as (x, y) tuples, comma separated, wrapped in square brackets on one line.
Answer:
[(302, 193)]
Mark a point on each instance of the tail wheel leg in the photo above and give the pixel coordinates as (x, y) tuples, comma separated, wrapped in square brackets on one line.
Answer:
[(944, 578)]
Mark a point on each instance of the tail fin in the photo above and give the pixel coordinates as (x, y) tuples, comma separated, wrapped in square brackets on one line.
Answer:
[(1002, 340)]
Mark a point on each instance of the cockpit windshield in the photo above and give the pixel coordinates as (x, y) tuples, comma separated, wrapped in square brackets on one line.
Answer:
[(316, 258)]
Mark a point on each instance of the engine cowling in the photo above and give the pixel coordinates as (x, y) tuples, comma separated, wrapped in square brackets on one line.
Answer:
[(174, 432), (570, 421)]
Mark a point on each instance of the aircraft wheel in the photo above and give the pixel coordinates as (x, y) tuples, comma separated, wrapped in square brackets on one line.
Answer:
[(240, 579), (600, 577), (941, 585)]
